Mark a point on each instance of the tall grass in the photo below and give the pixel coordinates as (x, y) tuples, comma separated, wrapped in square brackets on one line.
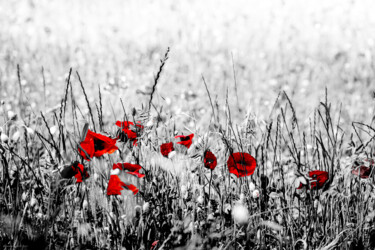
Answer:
[(181, 204)]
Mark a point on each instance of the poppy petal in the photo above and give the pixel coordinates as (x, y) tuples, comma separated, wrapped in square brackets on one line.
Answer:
[(185, 140), (319, 178), (166, 148), (133, 168), (210, 160), (114, 185), (96, 145), (362, 171), (132, 188), (241, 164)]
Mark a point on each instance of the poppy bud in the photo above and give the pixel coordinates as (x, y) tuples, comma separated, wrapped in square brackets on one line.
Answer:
[(183, 189), (24, 196), (149, 123), (251, 187), (29, 131), (84, 204), (4, 138), (16, 136), (256, 194), (200, 199), (146, 207), (11, 115), (32, 201), (240, 214), (53, 129)]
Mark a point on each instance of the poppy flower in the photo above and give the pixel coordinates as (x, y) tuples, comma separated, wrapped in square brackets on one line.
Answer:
[(115, 185), (166, 148), (133, 168), (185, 140), (209, 160), (241, 164), (318, 179), (154, 244), (130, 130), (362, 171), (96, 145), (77, 170)]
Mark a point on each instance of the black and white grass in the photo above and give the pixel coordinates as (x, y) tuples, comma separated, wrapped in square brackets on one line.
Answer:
[(290, 83)]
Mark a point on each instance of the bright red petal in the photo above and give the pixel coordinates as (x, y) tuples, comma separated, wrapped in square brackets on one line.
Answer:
[(97, 145), (133, 168), (88, 146), (81, 173), (241, 164), (132, 188), (210, 160), (185, 140), (115, 185), (166, 148), (319, 178), (124, 124)]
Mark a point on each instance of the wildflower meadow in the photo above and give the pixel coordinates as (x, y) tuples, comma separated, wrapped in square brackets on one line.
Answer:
[(143, 125)]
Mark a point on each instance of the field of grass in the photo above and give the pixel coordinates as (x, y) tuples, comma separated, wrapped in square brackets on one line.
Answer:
[(292, 83)]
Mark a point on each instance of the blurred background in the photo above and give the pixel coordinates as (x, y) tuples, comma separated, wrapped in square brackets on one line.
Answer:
[(300, 47)]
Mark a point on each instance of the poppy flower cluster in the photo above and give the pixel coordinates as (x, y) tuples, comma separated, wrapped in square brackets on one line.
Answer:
[(96, 145), (239, 164), (131, 131), (168, 147), (77, 170), (318, 179), (116, 185)]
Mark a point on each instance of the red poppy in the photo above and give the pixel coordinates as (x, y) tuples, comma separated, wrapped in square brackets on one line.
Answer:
[(241, 164), (362, 171), (185, 140), (319, 178), (130, 130), (166, 148), (96, 145), (115, 185), (154, 244), (210, 160), (77, 170), (133, 168)]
